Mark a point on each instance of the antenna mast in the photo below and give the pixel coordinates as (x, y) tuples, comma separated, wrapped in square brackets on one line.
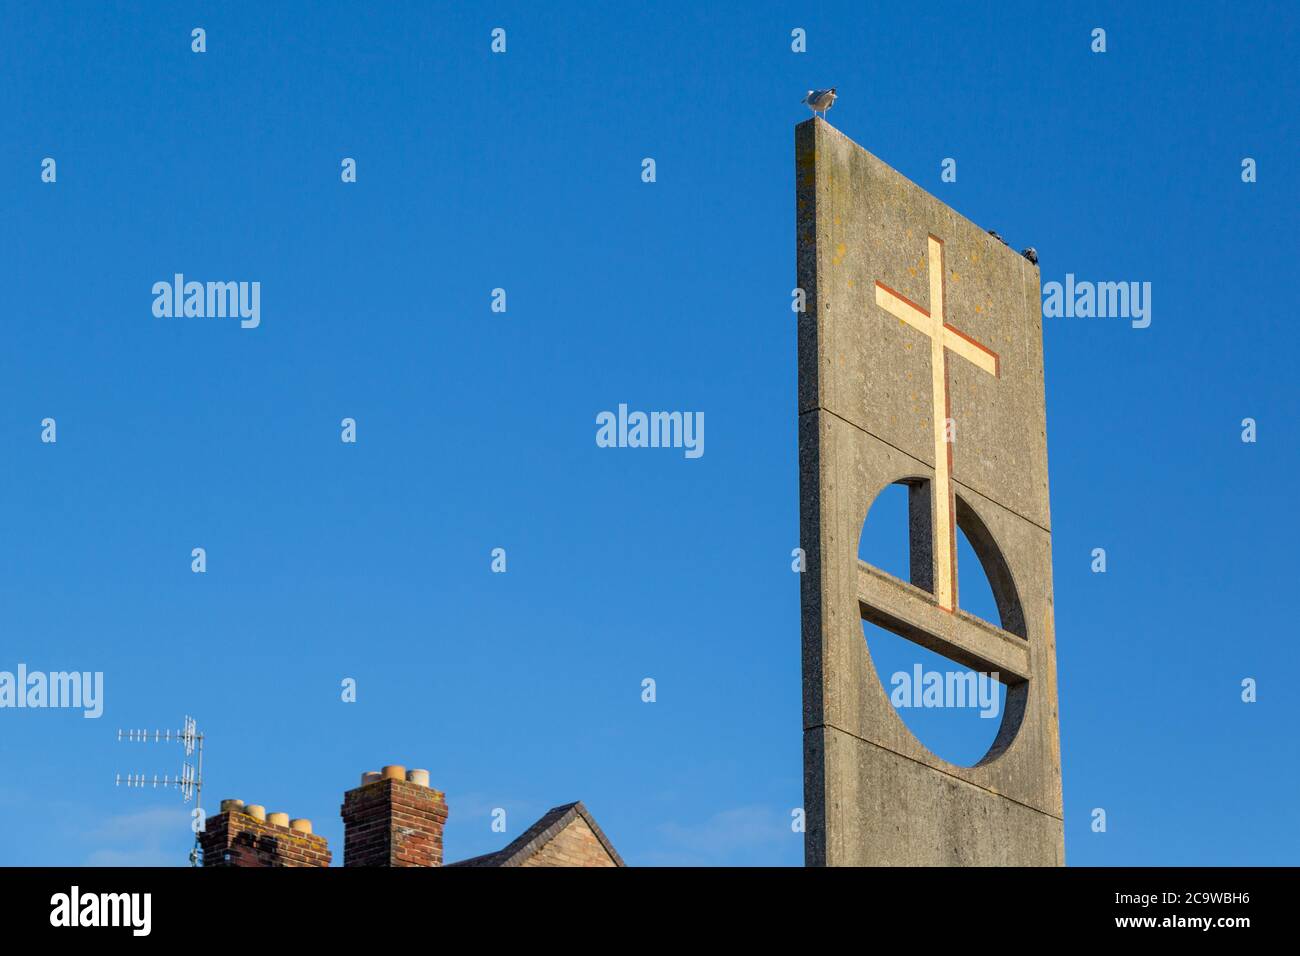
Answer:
[(189, 781)]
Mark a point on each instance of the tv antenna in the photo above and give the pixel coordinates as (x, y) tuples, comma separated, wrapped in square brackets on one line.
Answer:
[(189, 781)]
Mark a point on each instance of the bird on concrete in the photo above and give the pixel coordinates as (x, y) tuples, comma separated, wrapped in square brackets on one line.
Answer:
[(819, 101), (1031, 254)]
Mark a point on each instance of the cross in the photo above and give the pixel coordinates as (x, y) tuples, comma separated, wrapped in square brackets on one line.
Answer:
[(943, 338)]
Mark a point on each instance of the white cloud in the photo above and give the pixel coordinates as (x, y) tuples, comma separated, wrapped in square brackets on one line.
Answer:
[(157, 836), (742, 836)]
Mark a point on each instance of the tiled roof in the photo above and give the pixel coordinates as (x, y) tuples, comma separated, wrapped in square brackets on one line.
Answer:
[(541, 833)]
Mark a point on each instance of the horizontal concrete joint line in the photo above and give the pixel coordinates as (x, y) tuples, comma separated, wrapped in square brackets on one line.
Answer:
[(947, 773), (926, 464)]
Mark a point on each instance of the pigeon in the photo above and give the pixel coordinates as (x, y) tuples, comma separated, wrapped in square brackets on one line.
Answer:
[(819, 101), (1031, 254), (998, 238)]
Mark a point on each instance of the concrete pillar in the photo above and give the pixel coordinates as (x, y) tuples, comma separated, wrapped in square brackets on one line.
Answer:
[(915, 315)]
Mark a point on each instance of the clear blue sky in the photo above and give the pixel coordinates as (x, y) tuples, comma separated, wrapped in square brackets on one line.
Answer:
[(476, 430)]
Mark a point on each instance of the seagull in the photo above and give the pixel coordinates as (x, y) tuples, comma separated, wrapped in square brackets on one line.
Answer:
[(1031, 254), (819, 101)]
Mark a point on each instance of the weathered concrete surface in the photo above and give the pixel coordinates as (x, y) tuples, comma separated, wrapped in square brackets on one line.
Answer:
[(873, 794)]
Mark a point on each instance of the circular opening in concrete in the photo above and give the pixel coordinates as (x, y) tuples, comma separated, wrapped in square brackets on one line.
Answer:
[(961, 715)]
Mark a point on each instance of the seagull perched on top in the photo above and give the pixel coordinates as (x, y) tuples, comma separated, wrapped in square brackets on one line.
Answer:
[(1031, 254), (819, 101)]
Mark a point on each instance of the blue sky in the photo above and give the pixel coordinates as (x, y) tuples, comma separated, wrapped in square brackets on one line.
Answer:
[(476, 429)]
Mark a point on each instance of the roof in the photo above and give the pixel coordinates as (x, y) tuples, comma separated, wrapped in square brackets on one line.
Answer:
[(531, 841)]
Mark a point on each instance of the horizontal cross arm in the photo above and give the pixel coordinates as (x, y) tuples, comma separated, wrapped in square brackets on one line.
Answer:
[(961, 344), (903, 308)]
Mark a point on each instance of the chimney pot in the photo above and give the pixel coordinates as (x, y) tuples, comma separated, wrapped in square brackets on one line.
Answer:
[(397, 821), (248, 840), (231, 806), (370, 776)]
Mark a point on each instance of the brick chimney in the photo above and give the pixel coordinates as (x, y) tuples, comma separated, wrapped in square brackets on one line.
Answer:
[(393, 819), (247, 836)]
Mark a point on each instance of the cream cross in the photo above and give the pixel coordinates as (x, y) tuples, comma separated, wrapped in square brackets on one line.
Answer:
[(943, 338)]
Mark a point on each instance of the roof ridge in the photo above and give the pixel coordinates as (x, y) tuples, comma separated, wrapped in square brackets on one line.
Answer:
[(548, 826)]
